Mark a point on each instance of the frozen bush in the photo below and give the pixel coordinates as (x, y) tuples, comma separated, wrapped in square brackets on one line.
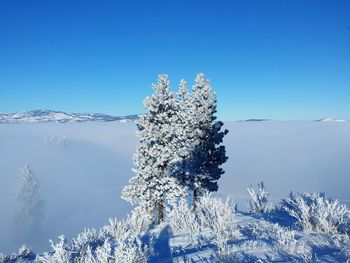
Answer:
[(259, 201), (131, 250), (281, 237), (217, 216), (213, 216), (87, 247), (182, 219), (134, 225), (121, 241), (108, 229), (84, 239), (102, 254), (86, 256), (239, 252), (282, 241), (61, 252), (287, 244), (315, 212), (117, 241), (337, 244), (127, 234), (24, 255), (239, 256), (139, 221), (342, 243)]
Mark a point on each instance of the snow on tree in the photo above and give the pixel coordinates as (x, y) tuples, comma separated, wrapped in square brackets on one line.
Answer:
[(180, 147), (209, 154), (153, 187), (186, 135), (29, 199)]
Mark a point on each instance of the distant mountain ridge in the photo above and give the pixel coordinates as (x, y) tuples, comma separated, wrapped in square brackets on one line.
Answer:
[(45, 116), (330, 119), (253, 120)]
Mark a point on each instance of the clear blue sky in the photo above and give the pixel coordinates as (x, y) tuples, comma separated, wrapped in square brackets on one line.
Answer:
[(266, 59)]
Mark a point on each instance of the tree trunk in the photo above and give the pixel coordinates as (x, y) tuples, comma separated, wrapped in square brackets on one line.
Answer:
[(160, 212), (160, 215), (195, 198)]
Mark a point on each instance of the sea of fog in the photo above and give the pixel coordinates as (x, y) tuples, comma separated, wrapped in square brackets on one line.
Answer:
[(83, 167)]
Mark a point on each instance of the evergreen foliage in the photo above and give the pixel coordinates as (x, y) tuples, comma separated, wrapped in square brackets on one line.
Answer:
[(153, 187), (179, 147)]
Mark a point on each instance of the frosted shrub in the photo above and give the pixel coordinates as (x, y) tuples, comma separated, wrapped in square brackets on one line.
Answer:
[(212, 216), (285, 239), (85, 238), (218, 217), (122, 230), (91, 247), (117, 241), (286, 243), (86, 257), (282, 241), (24, 255), (239, 252), (134, 225), (239, 256), (126, 232), (182, 219), (108, 229), (259, 201), (61, 252), (265, 231), (315, 212), (139, 221), (342, 243), (131, 250), (102, 254)]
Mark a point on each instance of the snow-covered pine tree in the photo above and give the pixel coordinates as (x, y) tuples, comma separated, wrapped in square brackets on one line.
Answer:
[(209, 154), (30, 201), (186, 138), (153, 186)]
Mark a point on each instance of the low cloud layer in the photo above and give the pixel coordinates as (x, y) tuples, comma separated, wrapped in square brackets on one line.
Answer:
[(83, 168)]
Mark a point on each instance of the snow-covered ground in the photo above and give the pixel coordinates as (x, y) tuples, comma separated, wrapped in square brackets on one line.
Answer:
[(83, 167)]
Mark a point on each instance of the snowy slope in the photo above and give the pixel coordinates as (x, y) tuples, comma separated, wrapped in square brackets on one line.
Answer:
[(209, 237), (43, 116)]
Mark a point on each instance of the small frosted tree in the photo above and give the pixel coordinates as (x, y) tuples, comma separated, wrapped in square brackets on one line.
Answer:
[(153, 186), (29, 199), (259, 202)]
